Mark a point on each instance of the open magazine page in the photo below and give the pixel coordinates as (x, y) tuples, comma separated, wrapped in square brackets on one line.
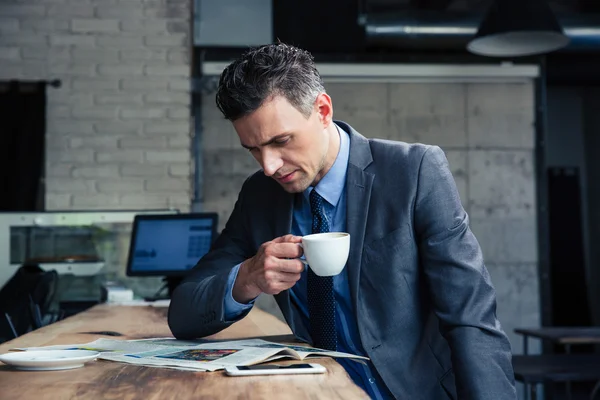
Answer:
[(195, 355), (210, 356)]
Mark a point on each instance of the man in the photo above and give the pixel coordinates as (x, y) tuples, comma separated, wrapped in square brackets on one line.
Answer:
[(415, 296)]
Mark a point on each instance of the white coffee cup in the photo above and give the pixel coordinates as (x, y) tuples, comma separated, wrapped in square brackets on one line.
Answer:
[(326, 253)]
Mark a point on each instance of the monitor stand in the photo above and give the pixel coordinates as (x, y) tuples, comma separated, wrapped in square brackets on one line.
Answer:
[(170, 283)]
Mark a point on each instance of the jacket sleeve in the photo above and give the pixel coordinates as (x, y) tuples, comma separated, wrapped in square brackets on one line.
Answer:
[(197, 304), (462, 293)]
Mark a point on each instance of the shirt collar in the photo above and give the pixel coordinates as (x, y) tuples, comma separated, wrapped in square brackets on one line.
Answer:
[(331, 186)]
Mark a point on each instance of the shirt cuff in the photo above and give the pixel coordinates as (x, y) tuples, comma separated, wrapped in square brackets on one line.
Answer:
[(233, 309)]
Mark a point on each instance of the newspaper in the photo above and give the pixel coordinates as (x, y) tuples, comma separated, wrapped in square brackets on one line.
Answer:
[(196, 355)]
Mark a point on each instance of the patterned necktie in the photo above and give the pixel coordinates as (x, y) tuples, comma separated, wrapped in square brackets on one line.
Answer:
[(321, 301)]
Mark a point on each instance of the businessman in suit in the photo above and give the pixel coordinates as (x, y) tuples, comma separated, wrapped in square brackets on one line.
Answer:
[(415, 296)]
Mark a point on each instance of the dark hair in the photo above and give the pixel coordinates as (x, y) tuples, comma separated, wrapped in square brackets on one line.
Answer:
[(274, 69)]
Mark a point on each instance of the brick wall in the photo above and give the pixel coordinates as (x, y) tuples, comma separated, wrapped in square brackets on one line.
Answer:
[(118, 133), (487, 132)]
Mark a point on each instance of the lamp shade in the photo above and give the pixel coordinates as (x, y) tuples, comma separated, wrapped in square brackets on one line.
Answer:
[(513, 28)]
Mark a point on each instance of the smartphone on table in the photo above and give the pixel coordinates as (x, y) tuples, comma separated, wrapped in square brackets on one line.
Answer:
[(274, 369)]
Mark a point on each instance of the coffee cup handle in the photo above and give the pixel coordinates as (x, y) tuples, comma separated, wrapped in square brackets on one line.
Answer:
[(301, 260)]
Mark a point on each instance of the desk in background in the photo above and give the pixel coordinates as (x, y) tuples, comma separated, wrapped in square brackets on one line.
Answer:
[(111, 380)]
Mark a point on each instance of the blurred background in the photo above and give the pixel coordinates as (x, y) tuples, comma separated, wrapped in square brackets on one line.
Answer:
[(107, 107)]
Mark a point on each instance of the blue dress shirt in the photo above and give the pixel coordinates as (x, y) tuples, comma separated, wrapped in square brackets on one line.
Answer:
[(332, 188)]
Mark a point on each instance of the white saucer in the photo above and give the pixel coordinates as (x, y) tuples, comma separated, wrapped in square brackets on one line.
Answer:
[(48, 360)]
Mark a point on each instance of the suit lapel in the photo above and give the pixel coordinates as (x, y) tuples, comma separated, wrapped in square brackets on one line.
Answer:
[(358, 193)]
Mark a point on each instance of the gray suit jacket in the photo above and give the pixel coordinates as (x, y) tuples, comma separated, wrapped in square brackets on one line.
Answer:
[(424, 302)]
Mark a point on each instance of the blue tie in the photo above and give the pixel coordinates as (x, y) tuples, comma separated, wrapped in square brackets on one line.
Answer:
[(321, 301)]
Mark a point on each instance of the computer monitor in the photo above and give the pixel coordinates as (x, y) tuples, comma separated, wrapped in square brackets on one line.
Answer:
[(169, 245)]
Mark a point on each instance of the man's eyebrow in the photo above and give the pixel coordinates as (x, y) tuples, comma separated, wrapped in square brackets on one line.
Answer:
[(268, 142)]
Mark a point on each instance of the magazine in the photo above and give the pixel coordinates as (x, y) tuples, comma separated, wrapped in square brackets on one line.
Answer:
[(196, 355)]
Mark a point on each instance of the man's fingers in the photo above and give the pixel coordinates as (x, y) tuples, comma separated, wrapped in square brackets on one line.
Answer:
[(283, 250), (291, 266), (287, 238)]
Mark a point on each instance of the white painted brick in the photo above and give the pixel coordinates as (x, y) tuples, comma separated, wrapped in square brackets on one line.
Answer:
[(219, 136), (84, 69), (70, 127), (69, 185), (144, 84), (173, 40), (141, 201), (168, 156), (57, 201), (179, 113), (58, 111), (96, 171), (96, 112), (179, 84), (443, 130), (25, 70), (89, 25), (119, 42), (57, 142), (8, 25), (183, 142), (120, 185), (71, 10), (181, 203), (71, 156), (125, 12), (65, 97), (166, 70), (59, 170), (168, 98), (120, 155), (145, 26), (144, 170), (24, 39), (143, 55), (22, 10), (94, 142), (72, 40), (95, 84), (120, 69), (118, 98), (45, 53), (179, 56), (104, 55), (9, 53), (142, 113), (45, 25), (143, 143), (117, 127), (179, 11), (180, 170), (168, 185), (98, 201), (178, 26), (174, 128)]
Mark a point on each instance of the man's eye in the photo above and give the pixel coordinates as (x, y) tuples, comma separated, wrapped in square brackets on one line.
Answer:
[(282, 141)]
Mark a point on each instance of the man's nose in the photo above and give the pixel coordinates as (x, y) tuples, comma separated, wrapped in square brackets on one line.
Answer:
[(271, 162)]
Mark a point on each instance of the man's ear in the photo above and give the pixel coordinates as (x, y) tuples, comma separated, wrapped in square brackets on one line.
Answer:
[(324, 108)]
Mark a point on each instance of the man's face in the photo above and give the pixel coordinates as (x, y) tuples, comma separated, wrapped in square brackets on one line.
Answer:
[(291, 148)]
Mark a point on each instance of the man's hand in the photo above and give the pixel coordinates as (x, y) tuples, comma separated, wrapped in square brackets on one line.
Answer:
[(273, 269)]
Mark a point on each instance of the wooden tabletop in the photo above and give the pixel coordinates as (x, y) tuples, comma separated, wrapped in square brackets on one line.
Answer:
[(564, 335), (112, 380)]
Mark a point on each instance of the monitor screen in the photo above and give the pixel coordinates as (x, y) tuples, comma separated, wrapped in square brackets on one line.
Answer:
[(169, 245)]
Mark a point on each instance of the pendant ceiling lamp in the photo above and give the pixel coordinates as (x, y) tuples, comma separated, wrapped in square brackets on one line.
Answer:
[(514, 28)]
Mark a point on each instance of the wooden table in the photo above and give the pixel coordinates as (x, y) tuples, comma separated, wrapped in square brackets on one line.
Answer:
[(111, 380)]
